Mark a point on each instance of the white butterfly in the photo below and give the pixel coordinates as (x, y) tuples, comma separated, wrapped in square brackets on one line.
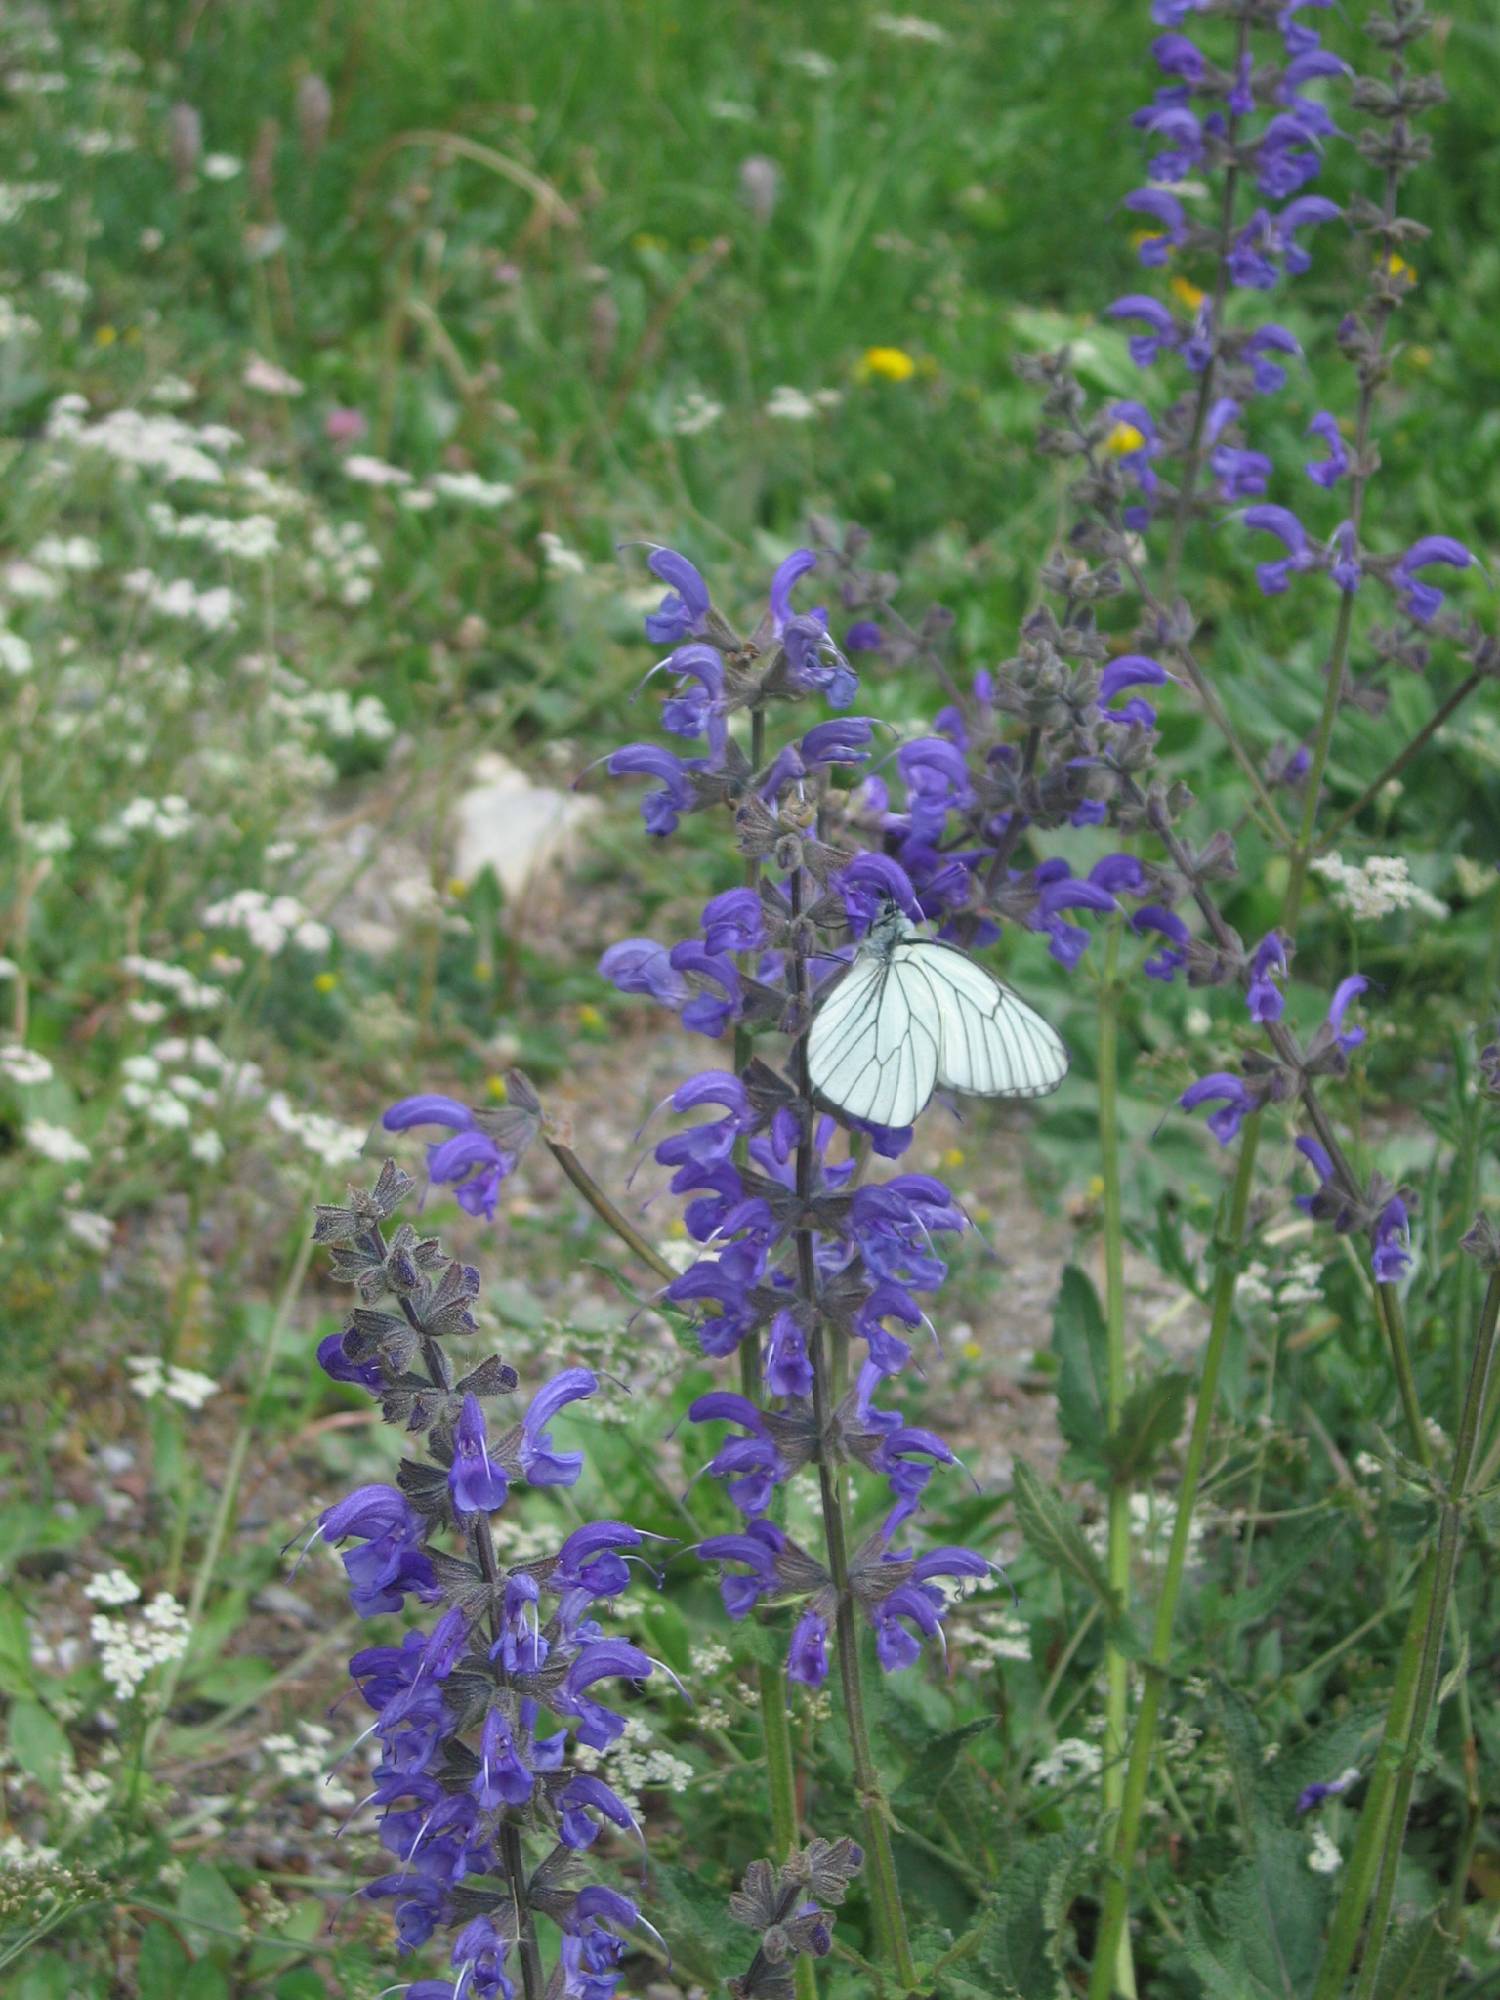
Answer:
[(912, 1014)]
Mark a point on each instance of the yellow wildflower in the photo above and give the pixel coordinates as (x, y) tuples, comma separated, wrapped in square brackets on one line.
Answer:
[(495, 1090), (1187, 293), (105, 336), (954, 1157), (326, 982), (1122, 438), (589, 1016), (1397, 267), (457, 886), (972, 1351), (886, 364)]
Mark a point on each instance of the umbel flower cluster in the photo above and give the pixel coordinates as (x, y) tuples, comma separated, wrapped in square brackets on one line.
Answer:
[(475, 1717)]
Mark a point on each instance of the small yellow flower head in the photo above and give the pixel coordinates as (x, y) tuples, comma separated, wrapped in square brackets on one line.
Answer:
[(105, 336), (325, 982), (1397, 267), (457, 886), (1096, 1188), (1122, 438), (1419, 357), (589, 1016), (886, 364), (495, 1090), (972, 1351), (954, 1157), (482, 969), (1187, 293)]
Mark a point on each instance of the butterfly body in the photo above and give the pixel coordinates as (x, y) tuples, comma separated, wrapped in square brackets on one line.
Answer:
[(914, 1014)]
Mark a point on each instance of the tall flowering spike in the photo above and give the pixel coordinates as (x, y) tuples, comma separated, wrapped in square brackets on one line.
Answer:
[(463, 1772)]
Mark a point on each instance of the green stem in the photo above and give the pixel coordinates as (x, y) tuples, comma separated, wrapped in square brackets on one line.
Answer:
[(1445, 1563), (1116, 1666), (880, 1859), (1102, 1982), (234, 1472)]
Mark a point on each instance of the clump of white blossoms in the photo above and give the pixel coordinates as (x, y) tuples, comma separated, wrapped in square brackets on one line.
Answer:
[(342, 563), (1071, 1754), (1323, 1856), (129, 1648), (195, 995), (15, 654), (214, 610), (166, 818), (695, 413), (1375, 887), (795, 406), (55, 1143), (87, 1226), (1300, 1285), (270, 922), (993, 1632), (151, 1377), (327, 1139), (250, 537), (633, 1765), (113, 1587), (470, 489), (23, 1066), (264, 378)]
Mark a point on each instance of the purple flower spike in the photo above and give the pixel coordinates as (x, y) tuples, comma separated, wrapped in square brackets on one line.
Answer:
[(543, 1466), (1162, 328), (788, 574), (1327, 472), (1344, 994), (1264, 997), (1390, 1258), (1419, 600), (476, 1484), (807, 1657), (1289, 531), (683, 610), (1227, 1091)]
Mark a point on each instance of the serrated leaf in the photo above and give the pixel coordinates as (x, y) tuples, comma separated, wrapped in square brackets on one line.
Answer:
[(1026, 1947), (1053, 1534), (1418, 1959), (1080, 1343), (939, 1756), (1262, 1937), (1150, 1420)]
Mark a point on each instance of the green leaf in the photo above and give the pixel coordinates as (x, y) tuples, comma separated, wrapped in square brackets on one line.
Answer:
[(210, 1911), (17, 1675), (1262, 1938), (1418, 1959), (1150, 1420), (935, 1767), (705, 1939), (206, 1981), (162, 1965), (39, 1743), (1055, 1536), (1080, 1343), (1027, 1942), (27, 1530)]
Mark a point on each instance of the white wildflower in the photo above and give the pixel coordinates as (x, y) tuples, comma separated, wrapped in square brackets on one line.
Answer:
[(908, 28), (86, 1226), (130, 1647), (266, 379), (471, 489), (695, 413), (113, 1587), (15, 654), (220, 166), (23, 1066), (1071, 1754), (557, 558), (1374, 888), (1323, 1856), (55, 1143), (368, 471)]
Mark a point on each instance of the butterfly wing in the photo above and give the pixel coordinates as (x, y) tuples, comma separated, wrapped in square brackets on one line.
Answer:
[(990, 1043), (871, 1052)]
